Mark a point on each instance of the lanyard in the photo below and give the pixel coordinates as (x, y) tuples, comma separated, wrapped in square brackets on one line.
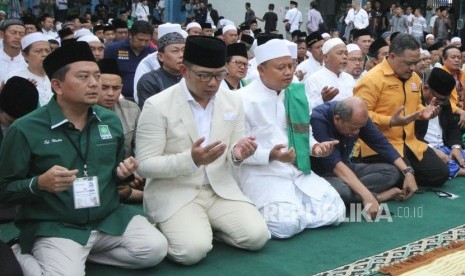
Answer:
[(78, 148)]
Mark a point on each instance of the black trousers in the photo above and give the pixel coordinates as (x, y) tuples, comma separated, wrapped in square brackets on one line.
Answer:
[(431, 171), (8, 263)]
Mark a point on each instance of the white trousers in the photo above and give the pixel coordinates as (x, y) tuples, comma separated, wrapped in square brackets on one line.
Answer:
[(140, 246)]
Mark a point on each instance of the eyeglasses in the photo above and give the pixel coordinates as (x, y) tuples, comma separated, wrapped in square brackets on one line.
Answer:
[(241, 64), (206, 77)]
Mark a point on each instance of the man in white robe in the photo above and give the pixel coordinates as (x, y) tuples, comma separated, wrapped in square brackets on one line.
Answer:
[(289, 200), (315, 60), (330, 82)]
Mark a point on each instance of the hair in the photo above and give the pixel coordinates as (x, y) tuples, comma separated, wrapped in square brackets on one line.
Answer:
[(445, 52), (45, 16), (344, 111), (247, 5), (27, 49), (141, 27), (271, 6), (403, 42), (60, 74), (313, 4)]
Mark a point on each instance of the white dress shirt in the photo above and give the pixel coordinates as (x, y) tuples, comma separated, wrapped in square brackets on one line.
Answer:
[(434, 133), (359, 18), (308, 67), (324, 77), (294, 16), (42, 84)]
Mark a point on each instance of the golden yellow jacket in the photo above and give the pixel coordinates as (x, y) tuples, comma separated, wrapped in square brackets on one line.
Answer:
[(384, 93), (454, 97)]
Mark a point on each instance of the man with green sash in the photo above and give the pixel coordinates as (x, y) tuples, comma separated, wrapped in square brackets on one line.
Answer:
[(278, 177)]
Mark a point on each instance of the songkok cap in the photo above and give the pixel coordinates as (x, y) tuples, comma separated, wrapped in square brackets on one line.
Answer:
[(313, 38), (244, 27), (168, 39), (436, 46), (330, 44), (352, 47), (206, 25), (247, 39), (28, 20), (358, 33), (272, 49), (119, 24), (167, 28), (375, 46), (205, 51), (192, 25), (253, 21), (236, 49), (31, 38), (297, 33), (109, 66), (218, 32), (429, 35), (325, 35), (82, 32), (292, 47), (97, 28), (108, 27), (455, 39), (264, 38), (441, 82), (19, 97), (9, 22), (293, 3), (228, 28), (89, 38), (67, 54)]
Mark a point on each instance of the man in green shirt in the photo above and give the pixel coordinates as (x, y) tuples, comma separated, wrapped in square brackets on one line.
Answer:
[(61, 164)]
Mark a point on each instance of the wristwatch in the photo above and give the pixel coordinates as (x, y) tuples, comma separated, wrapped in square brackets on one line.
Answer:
[(409, 169)]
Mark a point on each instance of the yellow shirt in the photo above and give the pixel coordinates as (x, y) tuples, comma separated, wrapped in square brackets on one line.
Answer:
[(384, 93), (454, 97)]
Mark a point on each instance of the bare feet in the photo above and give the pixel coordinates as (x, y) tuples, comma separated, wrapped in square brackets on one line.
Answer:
[(393, 193)]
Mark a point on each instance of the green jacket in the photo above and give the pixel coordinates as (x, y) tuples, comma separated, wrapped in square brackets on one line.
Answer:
[(35, 143)]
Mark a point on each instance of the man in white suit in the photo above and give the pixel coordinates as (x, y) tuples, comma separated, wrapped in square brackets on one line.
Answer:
[(187, 137)]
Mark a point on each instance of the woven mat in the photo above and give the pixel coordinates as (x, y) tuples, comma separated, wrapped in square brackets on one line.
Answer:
[(371, 265)]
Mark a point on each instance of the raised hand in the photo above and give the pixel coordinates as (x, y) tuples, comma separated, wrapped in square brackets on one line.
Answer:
[(56, 179), (208, 154), (328, 93), (282, 156), (324, 148), (245, 148), (397, 119)]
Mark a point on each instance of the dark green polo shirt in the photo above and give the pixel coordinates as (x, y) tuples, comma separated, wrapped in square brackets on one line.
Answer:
[(38, 141)]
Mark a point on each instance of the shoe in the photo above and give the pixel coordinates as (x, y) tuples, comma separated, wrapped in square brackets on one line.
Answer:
[(13, 241)]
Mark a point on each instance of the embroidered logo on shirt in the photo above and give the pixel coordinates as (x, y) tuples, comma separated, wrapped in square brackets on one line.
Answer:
[(122, 54), (48, 142), (104, 132), (414, 87)]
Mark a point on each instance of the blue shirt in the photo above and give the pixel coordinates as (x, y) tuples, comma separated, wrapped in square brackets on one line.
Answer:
[(324, 130), (127, 63)]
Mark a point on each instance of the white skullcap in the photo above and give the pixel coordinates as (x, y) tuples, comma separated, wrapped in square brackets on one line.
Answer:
[(168, 28), (429, 35), (455, 39), (31, 38), (352, 47), (325, 35), (82, 32), (292, 48), (184, 34), (228, 28), (89, 38), (193, 25), (274, 48), (330, 44), (424, 52)]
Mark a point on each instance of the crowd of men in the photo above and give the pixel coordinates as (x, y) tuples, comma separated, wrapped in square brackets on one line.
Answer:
[(221, 130)]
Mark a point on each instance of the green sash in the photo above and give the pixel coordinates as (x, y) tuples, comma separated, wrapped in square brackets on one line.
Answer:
[(298, 121)]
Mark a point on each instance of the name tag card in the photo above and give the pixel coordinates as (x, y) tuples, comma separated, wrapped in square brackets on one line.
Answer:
[(86, 192)]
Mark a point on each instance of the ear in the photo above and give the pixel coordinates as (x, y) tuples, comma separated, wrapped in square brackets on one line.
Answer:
[(160, 56), (183, 70), (56, 86)]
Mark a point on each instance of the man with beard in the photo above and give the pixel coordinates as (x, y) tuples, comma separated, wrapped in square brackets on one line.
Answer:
[(330, 83), (237, 65), (354, 61), (442, 133)]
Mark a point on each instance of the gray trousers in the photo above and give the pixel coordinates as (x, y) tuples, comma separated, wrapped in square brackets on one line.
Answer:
[(377, 178)]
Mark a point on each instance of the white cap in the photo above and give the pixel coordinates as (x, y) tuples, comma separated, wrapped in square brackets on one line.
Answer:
[(274, 48), (330, 44), (325, 35), (82, 32), (455, 39), (424, 52), (292, 48), (89, 38), (184, 34), (168, 28), (429, 35), (352, 47), (228, 28), (31, 38), (193, 25)]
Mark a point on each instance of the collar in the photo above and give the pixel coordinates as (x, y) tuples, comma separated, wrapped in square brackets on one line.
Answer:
[(189, 95), (262, 87), (331, 72), (57, 118), (168, 74), (386, 68)]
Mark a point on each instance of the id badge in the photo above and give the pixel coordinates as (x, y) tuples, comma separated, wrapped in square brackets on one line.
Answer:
[(86, 193)]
